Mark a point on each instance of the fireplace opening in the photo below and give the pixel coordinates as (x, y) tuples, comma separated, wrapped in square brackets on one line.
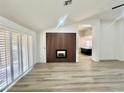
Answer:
[(61, 53)]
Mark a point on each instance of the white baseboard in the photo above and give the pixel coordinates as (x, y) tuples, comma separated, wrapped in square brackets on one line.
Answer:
[(5, 90), (121, 60), (95, 60), (41, 62)]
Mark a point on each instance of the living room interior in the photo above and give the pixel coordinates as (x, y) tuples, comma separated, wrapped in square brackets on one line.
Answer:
[(61, 46)]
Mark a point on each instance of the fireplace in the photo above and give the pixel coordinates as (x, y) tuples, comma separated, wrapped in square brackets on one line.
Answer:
[(61, 53)]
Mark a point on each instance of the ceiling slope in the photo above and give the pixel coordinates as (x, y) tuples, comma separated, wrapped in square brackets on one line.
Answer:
[(43, 14), (1, 2)]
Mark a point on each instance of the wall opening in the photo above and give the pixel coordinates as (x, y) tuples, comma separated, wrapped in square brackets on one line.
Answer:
[(85, 41)]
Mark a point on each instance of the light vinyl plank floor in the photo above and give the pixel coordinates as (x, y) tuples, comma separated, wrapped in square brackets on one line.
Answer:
[(83, 76)]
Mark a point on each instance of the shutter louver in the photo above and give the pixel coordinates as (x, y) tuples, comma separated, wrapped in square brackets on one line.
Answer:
[(3, 72), (30, 51), (5, 59), (25, 52), (16, 56)]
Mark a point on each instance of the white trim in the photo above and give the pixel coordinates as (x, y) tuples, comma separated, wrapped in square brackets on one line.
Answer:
[(5, 90), (41, 62), (12, 25), (95, 60), (121, 60)]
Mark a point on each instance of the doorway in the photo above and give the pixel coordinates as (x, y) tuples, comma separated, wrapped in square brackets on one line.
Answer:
[(61, 47), (85, 42)]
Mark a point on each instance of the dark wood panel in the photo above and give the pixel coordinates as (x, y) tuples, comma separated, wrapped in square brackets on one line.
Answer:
[(55, 41)]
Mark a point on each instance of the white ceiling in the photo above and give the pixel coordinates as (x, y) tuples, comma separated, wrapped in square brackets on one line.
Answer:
[(43, 14), (1, 7), (112, 14)]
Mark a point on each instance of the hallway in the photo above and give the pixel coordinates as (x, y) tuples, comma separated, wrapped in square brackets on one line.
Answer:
[(82, 76)]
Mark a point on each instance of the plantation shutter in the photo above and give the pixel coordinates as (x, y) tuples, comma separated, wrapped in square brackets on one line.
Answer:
[(30, 51), (3, 72), (5, 59), (15, 54), (25, 52)]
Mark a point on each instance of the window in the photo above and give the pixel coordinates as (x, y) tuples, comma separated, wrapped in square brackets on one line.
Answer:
[(5, 59), (15, 55), (25, 52), (8, 57), (3, 72), (30, 49)]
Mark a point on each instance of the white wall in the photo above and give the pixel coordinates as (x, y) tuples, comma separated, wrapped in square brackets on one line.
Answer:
[(11, 26), (38, 48), (86, 36), (42, 58), (120, 40), (107, 40), (1, 8), (112, 40)]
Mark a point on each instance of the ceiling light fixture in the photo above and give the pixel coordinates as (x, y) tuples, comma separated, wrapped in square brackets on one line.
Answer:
[(67, 2), (122, 5), (61, 21)]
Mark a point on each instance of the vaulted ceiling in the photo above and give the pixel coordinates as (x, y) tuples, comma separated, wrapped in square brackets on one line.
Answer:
[(43, 14), (1, 7)]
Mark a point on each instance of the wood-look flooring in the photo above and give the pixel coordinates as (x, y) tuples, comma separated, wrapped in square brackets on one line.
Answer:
[(84, 76)]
